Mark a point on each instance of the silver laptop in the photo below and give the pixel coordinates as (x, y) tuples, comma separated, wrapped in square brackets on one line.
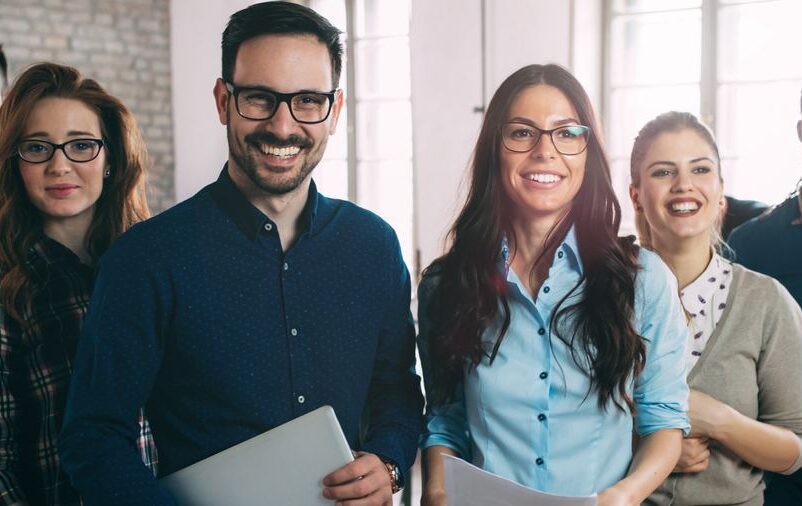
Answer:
[(283, 466)]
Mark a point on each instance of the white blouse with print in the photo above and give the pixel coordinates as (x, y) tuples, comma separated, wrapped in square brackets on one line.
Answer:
[(705, 300)]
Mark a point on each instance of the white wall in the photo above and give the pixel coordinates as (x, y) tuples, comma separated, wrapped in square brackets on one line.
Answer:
[(200, 140)]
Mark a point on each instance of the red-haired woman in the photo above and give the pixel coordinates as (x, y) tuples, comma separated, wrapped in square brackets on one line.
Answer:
[(71, 181)]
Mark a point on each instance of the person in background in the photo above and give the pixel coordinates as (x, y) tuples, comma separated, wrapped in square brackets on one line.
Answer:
[(541, 331), (772, 244), (257, 300), (71, 181), (744, 347), (739, 211)]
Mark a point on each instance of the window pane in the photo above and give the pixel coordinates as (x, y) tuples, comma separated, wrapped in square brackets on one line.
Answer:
[(381, 18), (383, 68), (756, 41), (386, 189), (632, 108), (756, 127), (619, 168), (648, 50), (384, 130), (331, 178), (333, 10), (764, 178), (628, 6)]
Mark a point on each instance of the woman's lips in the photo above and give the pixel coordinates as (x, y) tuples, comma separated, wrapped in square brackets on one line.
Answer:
[(61, 190)]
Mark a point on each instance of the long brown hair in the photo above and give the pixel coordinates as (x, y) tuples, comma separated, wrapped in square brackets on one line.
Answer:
[(471, 291), (122, 201)]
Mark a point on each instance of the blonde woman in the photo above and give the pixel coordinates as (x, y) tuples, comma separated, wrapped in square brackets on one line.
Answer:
[(745, 342)]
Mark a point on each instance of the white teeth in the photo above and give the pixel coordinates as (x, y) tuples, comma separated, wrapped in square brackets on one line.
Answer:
[(684, 207), (276, 151), (544, 178)]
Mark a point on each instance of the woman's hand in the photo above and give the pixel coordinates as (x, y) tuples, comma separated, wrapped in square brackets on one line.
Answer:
[(434, 499), (707, 415), (695, 455), (615, 496)]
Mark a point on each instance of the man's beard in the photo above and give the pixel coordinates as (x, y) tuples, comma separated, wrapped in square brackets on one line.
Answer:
[(249, 165)]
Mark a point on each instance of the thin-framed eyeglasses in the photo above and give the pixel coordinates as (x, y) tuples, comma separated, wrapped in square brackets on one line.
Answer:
[(261, 104), (76, 150), (567, 140)]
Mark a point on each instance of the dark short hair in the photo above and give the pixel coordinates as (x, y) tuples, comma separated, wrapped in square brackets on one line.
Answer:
[(279, 18)]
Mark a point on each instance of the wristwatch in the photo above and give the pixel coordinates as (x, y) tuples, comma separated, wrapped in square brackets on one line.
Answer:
[(395, 474)]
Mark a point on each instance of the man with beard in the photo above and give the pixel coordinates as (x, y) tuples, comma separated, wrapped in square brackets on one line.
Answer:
[(255, 301)]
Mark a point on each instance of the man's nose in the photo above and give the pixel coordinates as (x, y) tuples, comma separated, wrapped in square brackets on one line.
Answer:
[(282, 123)]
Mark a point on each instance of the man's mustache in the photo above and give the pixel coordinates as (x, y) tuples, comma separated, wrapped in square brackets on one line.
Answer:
[(269, 138)]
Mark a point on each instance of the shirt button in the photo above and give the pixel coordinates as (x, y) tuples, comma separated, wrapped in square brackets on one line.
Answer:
[(286, 266), (541, 417), (268, 226), (294, 332), (544, 375), (541, 331), (546, 289), (301, 399), (559, 254), (539, 461)]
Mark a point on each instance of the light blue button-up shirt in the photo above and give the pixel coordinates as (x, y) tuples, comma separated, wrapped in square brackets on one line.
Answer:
[(529, 417)]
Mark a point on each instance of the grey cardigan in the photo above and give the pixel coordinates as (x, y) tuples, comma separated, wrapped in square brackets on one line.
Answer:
[(752, 362)]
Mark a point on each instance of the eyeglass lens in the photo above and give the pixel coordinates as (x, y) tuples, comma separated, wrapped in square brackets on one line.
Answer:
[(305, 107), (77, 150), (568, 140)]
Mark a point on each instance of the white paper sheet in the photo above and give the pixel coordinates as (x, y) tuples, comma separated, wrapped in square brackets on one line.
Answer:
[(467, 485)]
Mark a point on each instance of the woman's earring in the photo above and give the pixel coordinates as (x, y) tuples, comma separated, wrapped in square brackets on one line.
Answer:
[(107, 173)]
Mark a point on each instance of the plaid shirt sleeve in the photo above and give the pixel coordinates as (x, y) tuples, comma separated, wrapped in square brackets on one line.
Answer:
[(146, 444), (10, 348)]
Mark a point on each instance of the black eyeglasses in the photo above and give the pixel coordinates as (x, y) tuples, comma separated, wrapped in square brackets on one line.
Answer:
[(261, 104), (76, 150), (523, 137)]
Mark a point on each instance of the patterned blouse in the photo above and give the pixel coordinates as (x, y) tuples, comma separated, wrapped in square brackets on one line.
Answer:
[(35, 368), (705, 300)]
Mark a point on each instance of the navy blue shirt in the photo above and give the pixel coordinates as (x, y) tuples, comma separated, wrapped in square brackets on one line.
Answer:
[(772, 244), (199, 315)]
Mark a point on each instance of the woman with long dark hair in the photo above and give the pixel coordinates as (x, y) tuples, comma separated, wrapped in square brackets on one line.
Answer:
[(745, 345), (71, 181), (542, 334)]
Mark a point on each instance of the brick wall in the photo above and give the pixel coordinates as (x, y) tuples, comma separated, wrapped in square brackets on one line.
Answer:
[(123, 44)]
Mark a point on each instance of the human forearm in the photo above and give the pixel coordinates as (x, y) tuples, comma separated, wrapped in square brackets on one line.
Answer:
[(434, 491), (760, 444), (655, 457)]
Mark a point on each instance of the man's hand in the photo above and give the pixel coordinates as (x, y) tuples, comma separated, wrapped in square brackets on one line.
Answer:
[(695, 455), (363, 482)]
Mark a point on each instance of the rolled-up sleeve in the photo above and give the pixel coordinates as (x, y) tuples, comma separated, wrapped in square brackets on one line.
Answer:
[(446, 423), (661, 390)]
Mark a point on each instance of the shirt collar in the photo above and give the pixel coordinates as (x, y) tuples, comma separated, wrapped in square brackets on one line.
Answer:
[(568, 249), (700, 290), (250, 219), (49, 251)]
